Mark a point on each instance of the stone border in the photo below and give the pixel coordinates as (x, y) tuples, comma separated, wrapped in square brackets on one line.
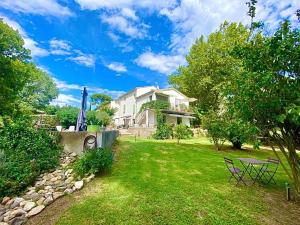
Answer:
[(47, 188)]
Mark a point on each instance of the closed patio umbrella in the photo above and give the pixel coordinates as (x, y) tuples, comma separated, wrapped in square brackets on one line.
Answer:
[(81, 119)]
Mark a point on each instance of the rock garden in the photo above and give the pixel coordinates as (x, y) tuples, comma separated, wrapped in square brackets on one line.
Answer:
[(47, 188)]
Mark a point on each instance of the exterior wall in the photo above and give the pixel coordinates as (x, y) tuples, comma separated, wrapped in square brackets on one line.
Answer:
[(142, 131), (186, 121), (73, 141), (171, 120)]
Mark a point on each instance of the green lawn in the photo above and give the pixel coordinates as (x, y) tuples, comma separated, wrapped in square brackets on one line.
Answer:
[(161, 182)]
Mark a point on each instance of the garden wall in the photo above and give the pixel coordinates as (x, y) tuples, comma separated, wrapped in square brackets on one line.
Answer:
[(142, 131), (73, 141)]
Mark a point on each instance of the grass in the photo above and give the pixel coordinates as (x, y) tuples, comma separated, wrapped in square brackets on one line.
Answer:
[(161, 182)]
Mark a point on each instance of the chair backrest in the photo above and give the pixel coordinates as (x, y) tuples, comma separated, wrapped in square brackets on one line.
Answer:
[(229, 163), (71, 128), (275, 161), (58, 128)]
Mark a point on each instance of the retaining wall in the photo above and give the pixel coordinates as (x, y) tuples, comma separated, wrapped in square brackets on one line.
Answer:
[(73, 141)]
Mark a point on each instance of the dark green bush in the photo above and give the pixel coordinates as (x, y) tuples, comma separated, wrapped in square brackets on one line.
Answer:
[(25, 152), (94, 161)]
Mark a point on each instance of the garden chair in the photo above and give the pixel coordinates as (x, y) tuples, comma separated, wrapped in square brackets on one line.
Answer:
[(59, 128), (71, 128), (234, 171), (270, 170)]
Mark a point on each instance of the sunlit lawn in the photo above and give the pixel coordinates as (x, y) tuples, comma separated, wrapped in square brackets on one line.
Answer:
[(161, 182)]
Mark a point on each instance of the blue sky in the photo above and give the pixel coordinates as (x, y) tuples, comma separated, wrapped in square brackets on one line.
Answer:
[(113, 46)]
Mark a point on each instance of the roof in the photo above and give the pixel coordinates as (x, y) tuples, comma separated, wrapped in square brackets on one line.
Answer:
[(133, 90)]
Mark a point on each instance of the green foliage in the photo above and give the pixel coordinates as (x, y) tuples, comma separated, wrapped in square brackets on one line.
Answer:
[(39, 90), (156, 105), (239, 132), (100, 100), (67, 116), (25, 152), (163, 131), (216, 128), (23, 86), (94, 161), (182, 131), (51, 109), (210, 66), (98, 117)]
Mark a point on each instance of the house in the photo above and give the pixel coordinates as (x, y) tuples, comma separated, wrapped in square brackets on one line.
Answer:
[(129, 104)]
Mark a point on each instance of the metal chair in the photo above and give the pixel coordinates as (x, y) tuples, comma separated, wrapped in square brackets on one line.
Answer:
[(270, 170), (235, 172)]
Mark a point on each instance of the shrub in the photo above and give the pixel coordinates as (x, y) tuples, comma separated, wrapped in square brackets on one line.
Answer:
[(216, 129), (94, 161), (101, 118), (182, 131), (67, 116), (25, 152), (239, 132), (164, 131)]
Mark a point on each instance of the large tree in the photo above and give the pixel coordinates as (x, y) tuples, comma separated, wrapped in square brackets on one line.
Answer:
[(22, 84), (209, 65), (267, 92), (13, 68)]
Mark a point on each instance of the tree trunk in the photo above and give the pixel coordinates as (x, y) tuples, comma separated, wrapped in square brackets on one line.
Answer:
[(287, 146)]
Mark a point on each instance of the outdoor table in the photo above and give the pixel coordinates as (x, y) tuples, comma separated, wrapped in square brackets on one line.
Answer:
[(249, 165)]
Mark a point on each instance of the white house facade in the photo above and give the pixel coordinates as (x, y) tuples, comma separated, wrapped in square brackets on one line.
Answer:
[(128, 107)]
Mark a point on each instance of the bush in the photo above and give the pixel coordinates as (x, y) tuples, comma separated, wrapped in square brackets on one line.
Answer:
[(101, 118), (25, 152), (94, 161), (164, 131), (67, 116), (182, 131), (239, 132), (216, 128)]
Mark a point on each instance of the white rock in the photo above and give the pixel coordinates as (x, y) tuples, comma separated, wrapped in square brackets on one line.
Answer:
[(78, 184), (3, 223), (57, 195), (5, 200), (48, 200), (35, 210), (40, 201), (28, 206)]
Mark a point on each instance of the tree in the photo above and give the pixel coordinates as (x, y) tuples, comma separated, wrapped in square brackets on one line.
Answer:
[(181, 131), (23, 86), (67, 116), (100, 100), (39, 90), (267, 92), (210, 65), (13, 67)]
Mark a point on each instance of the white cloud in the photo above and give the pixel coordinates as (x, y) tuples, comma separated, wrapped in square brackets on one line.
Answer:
[(87, 60), (118, 67), (59, 44), (120, 4), (64, 99), (65, 87), (29, 43), (59, 47), (164, 64), (40, 7), (129, 13), (125, 25)]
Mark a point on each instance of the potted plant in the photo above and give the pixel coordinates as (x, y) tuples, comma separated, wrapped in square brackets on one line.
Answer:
[(93, 122)]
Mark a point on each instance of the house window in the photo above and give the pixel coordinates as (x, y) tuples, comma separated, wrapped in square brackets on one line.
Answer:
[(133, 109), (124, 109), (179, 120), (150, 98)]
